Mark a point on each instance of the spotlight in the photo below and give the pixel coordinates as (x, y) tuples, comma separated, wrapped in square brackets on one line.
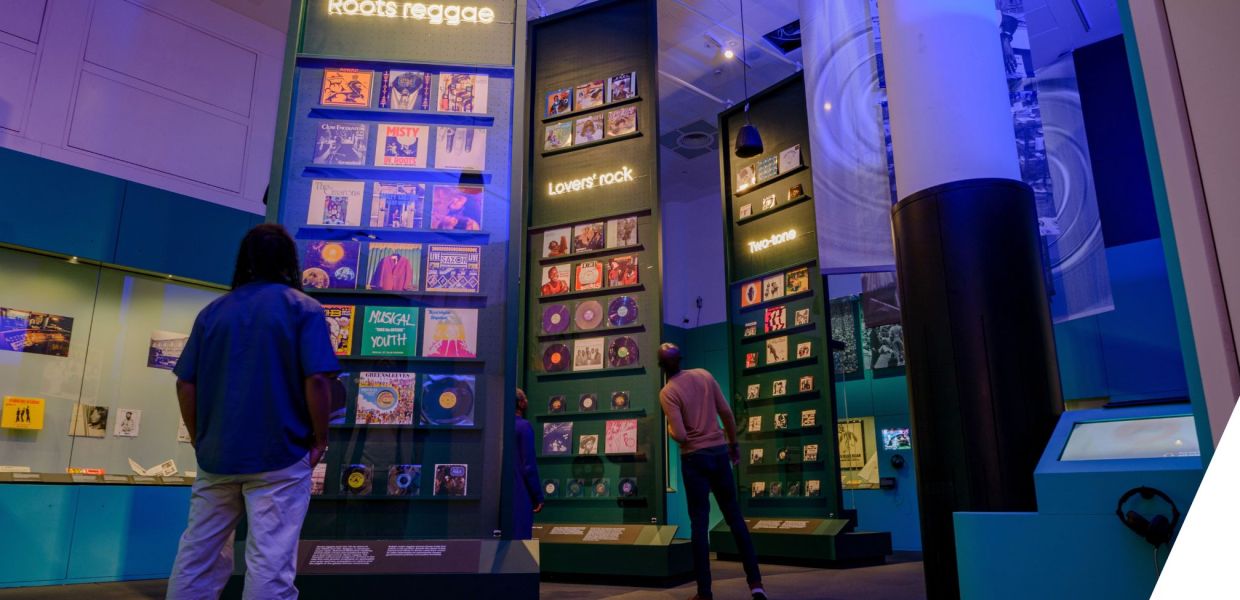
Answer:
[(729, 54)]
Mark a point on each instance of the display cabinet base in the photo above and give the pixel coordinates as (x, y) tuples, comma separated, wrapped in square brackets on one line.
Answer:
[(819, 542), (334, 569), (635, 554)]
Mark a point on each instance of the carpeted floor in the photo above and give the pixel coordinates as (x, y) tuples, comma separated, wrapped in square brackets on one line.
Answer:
[(899, 579)]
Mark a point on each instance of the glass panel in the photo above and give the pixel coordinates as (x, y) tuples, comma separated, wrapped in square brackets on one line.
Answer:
[(1132, 438)]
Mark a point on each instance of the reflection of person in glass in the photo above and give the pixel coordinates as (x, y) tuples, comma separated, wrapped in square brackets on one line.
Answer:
[(554, 285)]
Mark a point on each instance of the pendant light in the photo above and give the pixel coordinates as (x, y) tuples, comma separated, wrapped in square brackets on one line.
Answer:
[(748, 140)]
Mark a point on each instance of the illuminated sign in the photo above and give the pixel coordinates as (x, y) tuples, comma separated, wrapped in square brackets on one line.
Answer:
[(594, 180), (435, 14), (775, 240)]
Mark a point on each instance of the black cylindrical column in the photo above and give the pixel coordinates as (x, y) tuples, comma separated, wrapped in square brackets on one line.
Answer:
[(982, 374)]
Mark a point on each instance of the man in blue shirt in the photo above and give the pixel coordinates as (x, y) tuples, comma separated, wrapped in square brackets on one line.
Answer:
[(254, 384)]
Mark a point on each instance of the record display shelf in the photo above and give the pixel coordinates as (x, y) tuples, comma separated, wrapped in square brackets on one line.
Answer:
[(781, 362), (593, 314), (393, 170)]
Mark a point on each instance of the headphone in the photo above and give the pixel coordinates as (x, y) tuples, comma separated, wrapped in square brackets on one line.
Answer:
[(1156, 530)]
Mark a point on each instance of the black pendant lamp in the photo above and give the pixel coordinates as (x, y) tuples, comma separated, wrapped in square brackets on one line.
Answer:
[(748, 140)]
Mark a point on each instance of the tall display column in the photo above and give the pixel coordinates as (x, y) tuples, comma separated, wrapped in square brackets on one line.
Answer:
[(983, 381)]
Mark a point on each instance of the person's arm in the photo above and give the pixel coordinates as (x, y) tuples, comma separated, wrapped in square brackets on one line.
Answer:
[(187, 397), (675, 421), (319, 366), (319, 403), (729, 422)]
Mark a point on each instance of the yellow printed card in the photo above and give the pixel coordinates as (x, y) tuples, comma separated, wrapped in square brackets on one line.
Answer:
[(22, 413)]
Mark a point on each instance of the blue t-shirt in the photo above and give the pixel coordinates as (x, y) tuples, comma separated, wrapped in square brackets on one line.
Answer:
[(249, 354)]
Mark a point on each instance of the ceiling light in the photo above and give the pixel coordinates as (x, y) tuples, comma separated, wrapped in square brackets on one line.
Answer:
[(729, 54), (826, 106)]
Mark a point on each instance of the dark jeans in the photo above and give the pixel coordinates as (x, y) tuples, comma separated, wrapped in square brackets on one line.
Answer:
[(705, 471)]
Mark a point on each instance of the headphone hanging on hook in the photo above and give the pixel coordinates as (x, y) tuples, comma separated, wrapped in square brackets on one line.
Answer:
[(1158, 529)]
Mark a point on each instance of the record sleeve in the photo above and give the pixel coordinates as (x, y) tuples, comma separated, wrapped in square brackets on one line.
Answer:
[(805, 350), (753, 391), (745, 211), (621, 121), (589, 128), (463, 92), (404, 480), (397, 205), (588, 316), (557, 438), (555, 318), (576, 488), (453, 268), (794, 489), (801, 317), (809, 418), (589, 95), (587, 402), (751, 329), (768, 167), (769, 202), (346, 87), (390, 331), (751, 293), (600, 488), (757, 489), (755, 424), (402, 145), (589, 237), (622, 271), (450, 333), (628, 487), (781, 420), (589, 276), (406, 90), (556, 358), (773, 287), (779, 387), (620, 401), (335, 202), (385, 398), (340, 327), (587, 444), (393, 267), (622, 232), (461, 148), (776, 350), (622, 352), (806, 384), (556, 405), (341, 143), (776, 318), (776, 489), (448, 400), (810, 453), (751, 360), (797, 281), (621, 436), (457, 207), (551, 488), (451, 480), (756, 455), (556, 242), (621, 87), (588, 354), (790, 159), (330, 265), (556, 280), (813, 488), (796, 191), (746, 177), (621, 311), (557, 136), (558, 102), (356, 480)]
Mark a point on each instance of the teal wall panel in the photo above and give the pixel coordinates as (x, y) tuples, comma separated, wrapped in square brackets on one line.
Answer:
[(704, 347), (37, 526), (127, 532)]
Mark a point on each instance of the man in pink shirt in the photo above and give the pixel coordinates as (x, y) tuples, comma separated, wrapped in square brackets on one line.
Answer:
[(694, 405)]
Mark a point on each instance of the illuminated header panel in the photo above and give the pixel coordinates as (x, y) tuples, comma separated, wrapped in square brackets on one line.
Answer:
[(435, 14)]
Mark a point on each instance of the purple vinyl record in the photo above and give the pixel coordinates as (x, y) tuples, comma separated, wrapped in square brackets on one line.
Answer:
[(622, 311), (555, 319), (622, 352)]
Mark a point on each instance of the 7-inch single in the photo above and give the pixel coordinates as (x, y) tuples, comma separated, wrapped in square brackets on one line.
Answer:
[(622, 352), (589, 315), (555, 318), (555, 358), (619, 400), (628, 487), (621, 311)]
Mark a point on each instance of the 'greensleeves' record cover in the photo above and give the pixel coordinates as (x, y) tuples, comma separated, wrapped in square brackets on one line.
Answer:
[(390, 331)]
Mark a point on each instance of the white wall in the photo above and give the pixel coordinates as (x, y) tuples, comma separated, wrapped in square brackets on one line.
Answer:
[(179, 95)]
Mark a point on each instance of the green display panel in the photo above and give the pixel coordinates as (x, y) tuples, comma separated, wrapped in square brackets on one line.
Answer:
[(593, 310), (393, 171), (779, 326)]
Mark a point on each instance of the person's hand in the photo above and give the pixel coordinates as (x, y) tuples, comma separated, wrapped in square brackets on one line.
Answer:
[(734, 453), (316, 454), (538, 508)]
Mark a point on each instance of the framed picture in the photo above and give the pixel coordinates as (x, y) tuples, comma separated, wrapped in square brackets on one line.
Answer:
[(621, 87), (589, 95), (588, 129), (851, 443), (556, 242)]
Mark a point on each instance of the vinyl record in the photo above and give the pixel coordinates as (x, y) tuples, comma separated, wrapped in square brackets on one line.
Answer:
[(621, 311), (448, 401), (555, 318), (628, 487), (556, 358), (575, 488), (589, 315), (551, 488), (622, 352), (356, 479), (600, 488)]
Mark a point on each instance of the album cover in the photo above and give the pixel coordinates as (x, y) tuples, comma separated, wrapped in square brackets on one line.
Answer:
[(751, 329), (809, 417), (335, 202), (451, 480), (556, 279), (588, 354), (555, 242), (587, 402), (589, 237), (622, 271), (589, 276), (851, 437), (768, 167), (397, 205), (753, 391), (897, 439), (128, 423), (346, 87), (556, 405), (805, 349), (795, 192), (806, 384), (776, 318), (779, 387), (589, 95), (619, 400), (557, 135), (165, 349), (768, 202), (776, 489), (463, 92), (781, 420), (588, 129), (450, 333), (461, 148), (794, 489), (776, 350), (453, 268), (558, 102), (390, 331), (751, 360), (784, 455), (813, 488), (393, 267), (404, 480), (405, 90), (330, 265), (447, 400), (810, 453), (587, 444), (341, 143), (385, 398), (757, 489), (24, 413), (755, 456), (576, 488), (755, 423), (402, 145), (318, 478), (622, 87), (621, 436), (340, 327), (746, 211), (456, 207), (621, 121), (551, 488), (801, 317), (357, 480), (745, 178), (751, 293), (628, 487), (797, 281), (790, 159), (773, 287), (557, 438)]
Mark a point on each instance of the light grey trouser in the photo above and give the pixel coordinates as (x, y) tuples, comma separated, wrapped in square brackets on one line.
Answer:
[(275, 504)]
